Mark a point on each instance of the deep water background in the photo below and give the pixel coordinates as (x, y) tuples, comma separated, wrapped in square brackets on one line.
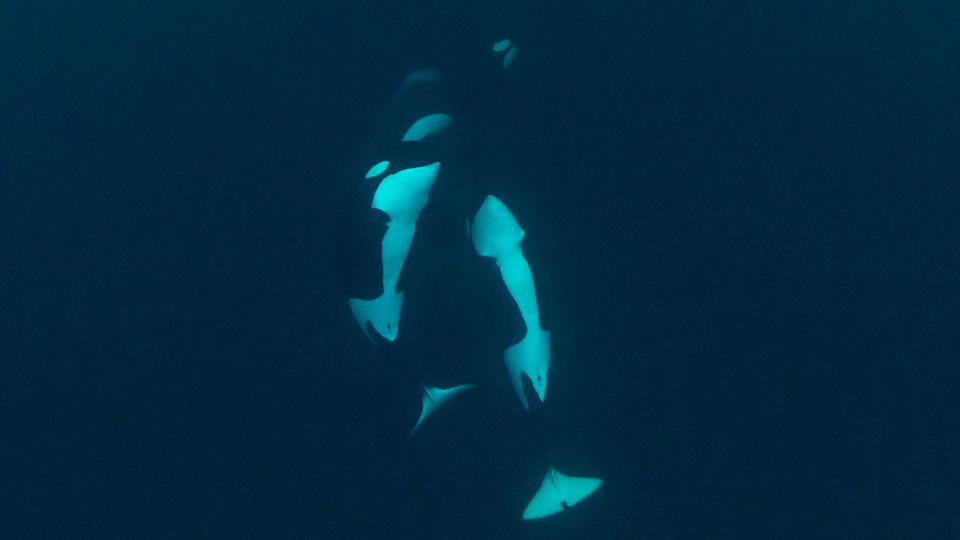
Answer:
[(747, 214)]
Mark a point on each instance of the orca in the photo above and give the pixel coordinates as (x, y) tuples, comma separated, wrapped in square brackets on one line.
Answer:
[(511, 51), (504, 46), (401, 196), (496, 234), (396, 187), (403, 173)]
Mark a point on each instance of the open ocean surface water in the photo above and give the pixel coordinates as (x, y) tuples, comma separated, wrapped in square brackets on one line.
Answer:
[(747, 216)]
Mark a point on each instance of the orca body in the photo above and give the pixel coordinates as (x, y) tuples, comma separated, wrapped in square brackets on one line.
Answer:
[(401, 172), (402, 168), (396, 181), (401, 196), (496, 234)]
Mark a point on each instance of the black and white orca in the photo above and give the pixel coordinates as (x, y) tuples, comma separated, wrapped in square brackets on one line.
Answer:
[(396, 185), (496, 234)]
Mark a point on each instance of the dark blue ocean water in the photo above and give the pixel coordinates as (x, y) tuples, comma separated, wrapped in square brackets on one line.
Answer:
[(746, 215)]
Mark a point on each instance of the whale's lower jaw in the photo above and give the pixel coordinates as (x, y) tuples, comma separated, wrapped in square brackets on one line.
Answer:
[(382, 313), (559, 492)]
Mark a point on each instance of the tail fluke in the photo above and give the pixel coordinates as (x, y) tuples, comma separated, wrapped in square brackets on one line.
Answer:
[(434, 397), (559, 492)]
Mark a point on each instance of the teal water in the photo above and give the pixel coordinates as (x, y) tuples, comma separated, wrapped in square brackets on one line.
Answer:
[(745, 215)]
